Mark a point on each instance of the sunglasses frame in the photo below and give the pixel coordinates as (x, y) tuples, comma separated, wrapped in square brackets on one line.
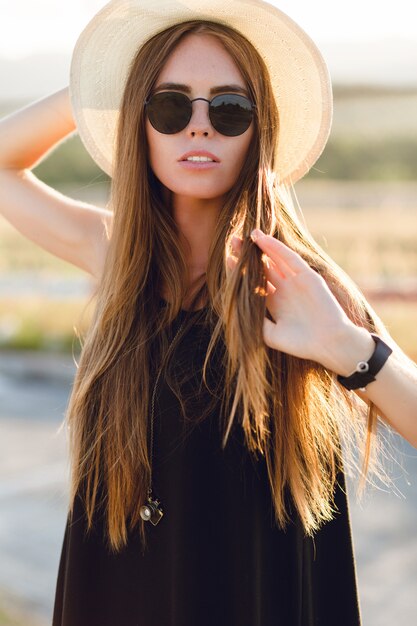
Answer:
[(252, 105)]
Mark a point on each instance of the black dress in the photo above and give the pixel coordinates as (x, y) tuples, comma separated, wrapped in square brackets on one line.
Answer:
[(216, 558)]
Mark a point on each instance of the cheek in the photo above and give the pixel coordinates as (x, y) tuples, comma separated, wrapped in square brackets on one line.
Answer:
[(237, 157)]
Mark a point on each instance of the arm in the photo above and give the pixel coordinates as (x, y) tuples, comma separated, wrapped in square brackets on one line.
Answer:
[(394, 390), (308, 322), (74, 231)]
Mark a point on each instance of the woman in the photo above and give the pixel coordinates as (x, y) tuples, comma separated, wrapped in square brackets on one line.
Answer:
[(215, 392)]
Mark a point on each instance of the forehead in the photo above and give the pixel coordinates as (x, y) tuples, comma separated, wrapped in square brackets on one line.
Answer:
[(200, 60)]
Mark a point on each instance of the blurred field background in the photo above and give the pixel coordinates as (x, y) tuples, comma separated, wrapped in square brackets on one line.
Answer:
[(359, 202)]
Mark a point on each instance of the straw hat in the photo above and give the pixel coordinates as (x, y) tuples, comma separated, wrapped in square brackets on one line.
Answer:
[(299, 75)]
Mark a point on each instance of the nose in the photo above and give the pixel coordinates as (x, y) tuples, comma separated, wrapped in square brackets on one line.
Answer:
[(199, 123)]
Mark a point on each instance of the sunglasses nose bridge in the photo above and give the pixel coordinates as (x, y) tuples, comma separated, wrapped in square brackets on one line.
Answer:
[(203, 111), (205, 100)]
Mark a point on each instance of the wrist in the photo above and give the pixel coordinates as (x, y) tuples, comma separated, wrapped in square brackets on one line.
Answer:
[(348, 346)]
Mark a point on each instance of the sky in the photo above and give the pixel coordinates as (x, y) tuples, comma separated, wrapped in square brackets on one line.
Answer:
[(360, 39), (28, 26)]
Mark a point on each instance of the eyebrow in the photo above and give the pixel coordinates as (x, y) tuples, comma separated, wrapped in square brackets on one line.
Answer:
[(213, 90)]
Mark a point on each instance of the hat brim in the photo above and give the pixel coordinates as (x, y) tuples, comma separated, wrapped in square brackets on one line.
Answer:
[(299, 75)]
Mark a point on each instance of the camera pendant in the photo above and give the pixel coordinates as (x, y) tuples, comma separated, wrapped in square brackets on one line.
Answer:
[(152, 511)]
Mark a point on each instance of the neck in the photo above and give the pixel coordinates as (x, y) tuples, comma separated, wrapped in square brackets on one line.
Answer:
[(196, 219)]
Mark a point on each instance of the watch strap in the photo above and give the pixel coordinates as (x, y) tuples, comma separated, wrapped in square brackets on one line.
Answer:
[(366, 371)]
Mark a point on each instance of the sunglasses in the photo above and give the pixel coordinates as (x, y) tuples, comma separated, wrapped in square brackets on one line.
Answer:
[(169, 112)]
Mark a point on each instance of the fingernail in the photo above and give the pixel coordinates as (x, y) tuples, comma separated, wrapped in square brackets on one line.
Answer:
[(256, 234)]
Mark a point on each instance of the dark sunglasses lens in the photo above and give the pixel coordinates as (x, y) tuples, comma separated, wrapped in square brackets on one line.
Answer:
[(230, 114), (169, 112)]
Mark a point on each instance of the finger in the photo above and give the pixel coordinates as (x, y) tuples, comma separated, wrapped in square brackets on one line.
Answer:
[(278, 251), (231, 262), (270, 289), (236, 243), (274, 274), (269, 264)]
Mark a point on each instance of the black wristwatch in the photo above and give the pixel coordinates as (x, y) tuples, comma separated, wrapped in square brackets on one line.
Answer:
[(366, 370)]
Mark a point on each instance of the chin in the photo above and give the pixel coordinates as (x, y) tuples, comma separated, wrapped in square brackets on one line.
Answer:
[(198, 191)]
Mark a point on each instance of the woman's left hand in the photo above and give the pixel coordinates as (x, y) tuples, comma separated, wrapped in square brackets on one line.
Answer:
[(308, 322)]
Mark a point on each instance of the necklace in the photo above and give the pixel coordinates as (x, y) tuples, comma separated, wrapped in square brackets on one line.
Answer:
[(152, 511)]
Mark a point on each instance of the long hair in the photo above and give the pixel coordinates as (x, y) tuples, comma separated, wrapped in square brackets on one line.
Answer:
[(292, 411)]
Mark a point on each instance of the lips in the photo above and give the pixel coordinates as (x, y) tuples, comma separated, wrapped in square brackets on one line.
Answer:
[(203, 153)]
